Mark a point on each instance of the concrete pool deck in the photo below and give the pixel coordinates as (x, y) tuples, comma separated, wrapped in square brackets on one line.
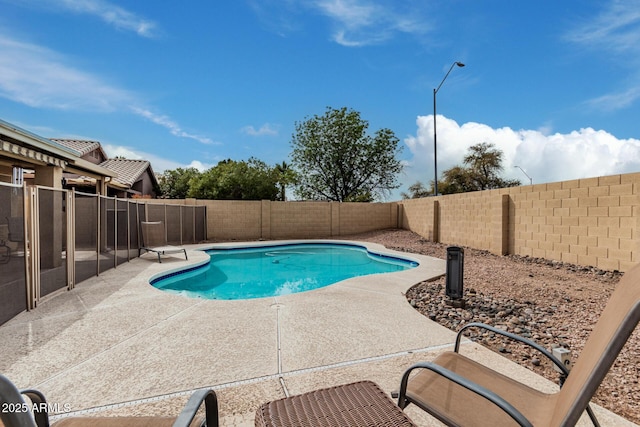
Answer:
[(116, 345)]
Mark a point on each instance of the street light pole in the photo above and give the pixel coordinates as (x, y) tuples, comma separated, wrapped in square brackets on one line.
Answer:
[(530, 179), (435, 137)]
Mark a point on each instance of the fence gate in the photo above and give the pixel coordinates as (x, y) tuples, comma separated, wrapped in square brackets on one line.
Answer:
[(50, 245), (13, 262)]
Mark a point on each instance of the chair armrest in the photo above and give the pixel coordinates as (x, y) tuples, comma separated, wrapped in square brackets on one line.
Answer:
[(514, 337), (18, 415), (469, 385), (39, 407), (531, 344), (191, 408)]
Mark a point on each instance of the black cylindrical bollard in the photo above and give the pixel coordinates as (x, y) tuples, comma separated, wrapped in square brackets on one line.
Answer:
[(455, 272)]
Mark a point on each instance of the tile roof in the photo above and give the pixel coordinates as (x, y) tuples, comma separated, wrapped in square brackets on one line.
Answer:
[(82, 146), (129, 171)]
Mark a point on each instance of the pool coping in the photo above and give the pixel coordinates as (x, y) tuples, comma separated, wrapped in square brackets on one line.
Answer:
[(374, 249)]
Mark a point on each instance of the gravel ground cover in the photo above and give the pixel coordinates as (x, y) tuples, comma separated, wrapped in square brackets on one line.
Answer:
[(552, 303)]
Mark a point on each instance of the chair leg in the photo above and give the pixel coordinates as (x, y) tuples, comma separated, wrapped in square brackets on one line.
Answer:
[(594, 420)]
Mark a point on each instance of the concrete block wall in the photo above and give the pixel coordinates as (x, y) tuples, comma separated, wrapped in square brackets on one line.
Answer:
[(299, 220), (321, 219), (233, 220), (417, 215), (356, 218), (252, 220), (468, 219), (591, 222)]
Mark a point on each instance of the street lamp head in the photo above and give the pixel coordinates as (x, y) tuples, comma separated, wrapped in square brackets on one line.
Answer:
[(459, 64)]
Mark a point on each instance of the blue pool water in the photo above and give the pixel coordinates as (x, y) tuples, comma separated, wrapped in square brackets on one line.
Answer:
[(277, 270)]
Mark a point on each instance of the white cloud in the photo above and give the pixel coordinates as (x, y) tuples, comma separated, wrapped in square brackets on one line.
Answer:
[(353, 23), (279, 16), (616, 28), (122, 151), (616, 101), (545, 158), (364, 22), (159, 164), (615, 32), (199, 165), (350, 13), (110, 13), (38, 77), (41, 78), (265, 129), (169, 124)]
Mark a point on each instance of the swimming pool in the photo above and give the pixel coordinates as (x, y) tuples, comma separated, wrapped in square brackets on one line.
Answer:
[(264, 271)]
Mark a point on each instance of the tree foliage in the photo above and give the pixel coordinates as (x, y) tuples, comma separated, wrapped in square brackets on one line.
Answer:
[(236, 180), (335, 159), (285, 176), (481, 171), (458, 179), (416, 191), (175, 184), (483, 165)]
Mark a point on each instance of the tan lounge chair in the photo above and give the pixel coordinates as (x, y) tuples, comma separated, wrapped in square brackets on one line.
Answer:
[(154, 240), (18, 412), (461, 392)]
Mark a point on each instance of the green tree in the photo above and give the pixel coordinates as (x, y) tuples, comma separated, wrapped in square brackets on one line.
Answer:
[(483, 165), (416, 191), (174, 184), (285, 176), (233, 180), (457, 179), (335, 159)]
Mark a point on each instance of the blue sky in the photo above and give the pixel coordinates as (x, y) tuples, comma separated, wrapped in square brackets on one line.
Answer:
[(555, 85)]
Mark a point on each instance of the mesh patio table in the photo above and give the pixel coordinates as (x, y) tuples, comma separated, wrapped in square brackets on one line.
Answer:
[(357, 404)]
